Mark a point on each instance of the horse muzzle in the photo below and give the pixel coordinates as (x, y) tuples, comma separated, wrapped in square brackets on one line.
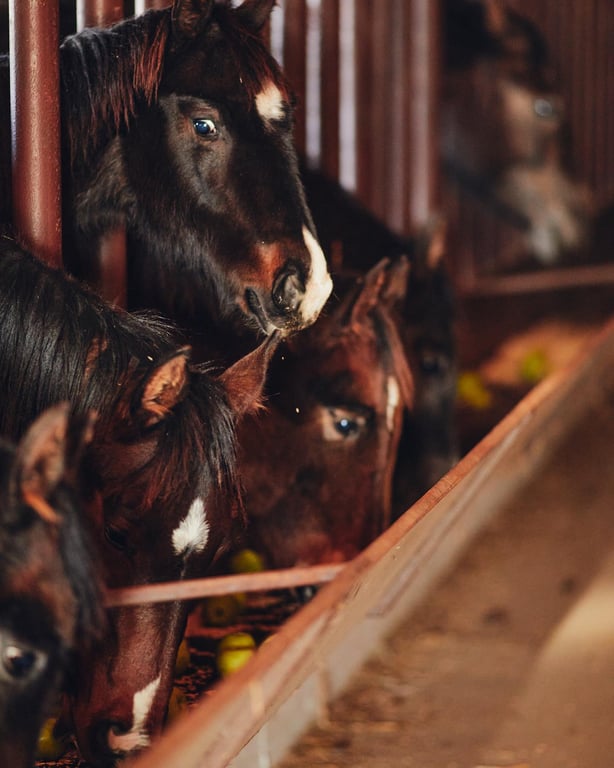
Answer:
[(300, 288)]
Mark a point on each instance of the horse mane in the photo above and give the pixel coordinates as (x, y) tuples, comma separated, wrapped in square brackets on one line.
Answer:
[(106, 73), (62, 342)]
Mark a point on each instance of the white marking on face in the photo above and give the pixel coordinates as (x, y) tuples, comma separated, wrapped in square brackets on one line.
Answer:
[(270, 103), (137, 736), (319, 283), (192, 533), (393, 400)]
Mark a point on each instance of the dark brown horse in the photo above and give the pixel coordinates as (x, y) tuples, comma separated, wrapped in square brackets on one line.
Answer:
[(503, 126), (178, 124), (50, 600), (318, 463), (160, 470)]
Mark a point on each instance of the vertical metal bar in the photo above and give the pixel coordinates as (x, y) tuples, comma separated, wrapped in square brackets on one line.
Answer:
[(295, 62), (98, 13), (140, 6), (35, 126), (112, 249), (329, 89), (424, 89)]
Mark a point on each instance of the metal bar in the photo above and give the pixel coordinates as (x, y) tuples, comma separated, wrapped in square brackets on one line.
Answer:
[(424, 89), (189, 589), (35, 126), (112, 248)]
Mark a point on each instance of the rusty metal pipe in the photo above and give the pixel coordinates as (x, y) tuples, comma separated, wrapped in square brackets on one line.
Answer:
[(35, 126)]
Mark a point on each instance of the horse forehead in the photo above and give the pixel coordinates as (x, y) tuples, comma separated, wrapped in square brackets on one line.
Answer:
[(192, 532), (271, 102)]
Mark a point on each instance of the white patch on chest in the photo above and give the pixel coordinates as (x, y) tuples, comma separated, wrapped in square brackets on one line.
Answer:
[(319, 283), (192, 533), (270, 103), (137, 736), (393, 400)]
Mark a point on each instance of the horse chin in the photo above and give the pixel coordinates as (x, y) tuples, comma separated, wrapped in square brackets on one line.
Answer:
[(257, 313)]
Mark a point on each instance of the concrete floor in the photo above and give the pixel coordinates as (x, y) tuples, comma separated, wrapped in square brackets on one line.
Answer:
[(511, 661)]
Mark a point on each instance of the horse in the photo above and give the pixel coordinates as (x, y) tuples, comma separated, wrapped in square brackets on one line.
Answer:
[(50, 594), (178, 124), (354, 239), (317, 464), (160, 471), (503, 127)]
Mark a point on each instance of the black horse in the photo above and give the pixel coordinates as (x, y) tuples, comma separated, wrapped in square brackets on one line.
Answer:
[(162, 491), (50, 598), (178, 124)]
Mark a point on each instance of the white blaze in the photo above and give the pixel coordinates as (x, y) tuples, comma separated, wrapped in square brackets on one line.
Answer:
[(319, 283), (192, 533), (394, 398), (137, 736), (270, 103)]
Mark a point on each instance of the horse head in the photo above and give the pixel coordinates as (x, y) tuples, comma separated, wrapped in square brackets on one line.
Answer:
[(503, 125), (49, 590), (317, 464), (204, 172), (166, 507)]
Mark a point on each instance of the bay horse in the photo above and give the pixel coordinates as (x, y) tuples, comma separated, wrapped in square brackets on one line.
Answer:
[(163, 496), (50, 596), (178, 124), (503, 127), (317, 464), (356, 239)]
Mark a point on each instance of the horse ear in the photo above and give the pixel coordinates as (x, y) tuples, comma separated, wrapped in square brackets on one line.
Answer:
[(432, 245), (190, 17), (164, 387), (254, 14), (244, 381), (41, 460), (394, 288)]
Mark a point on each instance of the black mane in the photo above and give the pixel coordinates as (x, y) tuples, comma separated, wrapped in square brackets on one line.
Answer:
[(61, 342)]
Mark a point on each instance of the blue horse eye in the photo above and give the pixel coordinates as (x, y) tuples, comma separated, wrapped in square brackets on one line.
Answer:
[(17, 661), (346, 426), (204, 127)]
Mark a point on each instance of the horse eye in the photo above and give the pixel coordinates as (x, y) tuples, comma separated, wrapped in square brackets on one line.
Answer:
[(116, 537), (543, 108), (431, 363), (340, 424), (204, 127), (18, 662)]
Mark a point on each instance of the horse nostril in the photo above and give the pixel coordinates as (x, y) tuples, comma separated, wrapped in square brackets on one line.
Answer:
[(100, 745), (288, 291)]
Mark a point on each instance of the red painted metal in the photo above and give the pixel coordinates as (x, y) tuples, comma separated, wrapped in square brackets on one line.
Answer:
[(98, 13), (35, 119)]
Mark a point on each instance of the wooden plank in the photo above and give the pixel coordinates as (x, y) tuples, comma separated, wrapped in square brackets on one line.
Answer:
[(376, 590)]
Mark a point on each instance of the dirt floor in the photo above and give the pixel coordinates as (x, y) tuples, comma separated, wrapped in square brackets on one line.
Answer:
[(511, 661)]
